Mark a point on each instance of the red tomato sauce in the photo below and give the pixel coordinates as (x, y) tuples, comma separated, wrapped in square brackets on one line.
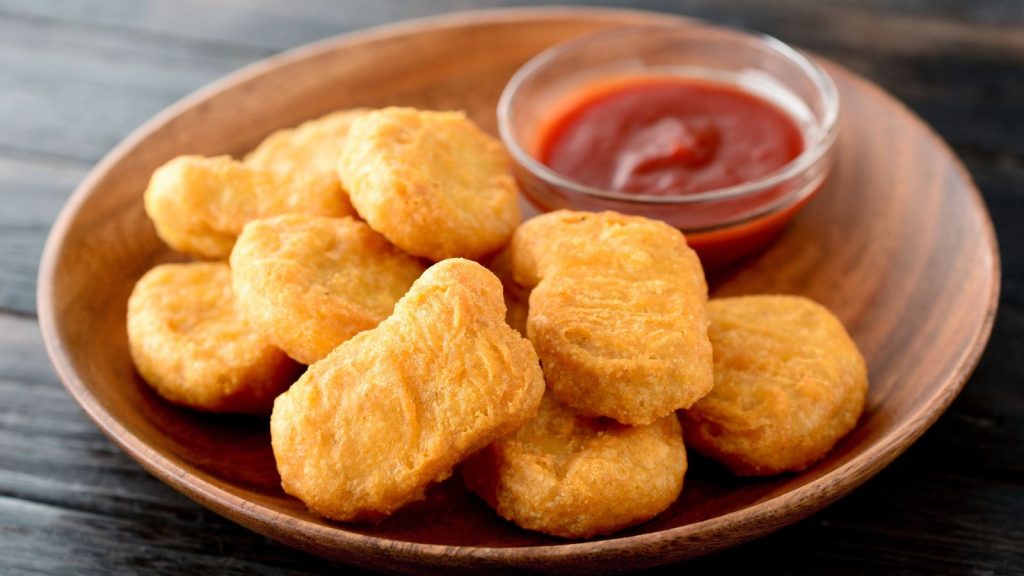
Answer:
[(669, 136)]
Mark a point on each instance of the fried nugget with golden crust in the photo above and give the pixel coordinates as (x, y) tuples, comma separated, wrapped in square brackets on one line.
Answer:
[(192, 346), (199, 205), (313, 146), (577, 477), (617, 313), (431, 182), (309, 283), (395, 408), (789, 383)]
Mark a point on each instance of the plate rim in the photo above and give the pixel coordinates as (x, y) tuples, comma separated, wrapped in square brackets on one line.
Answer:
[(788, 507)]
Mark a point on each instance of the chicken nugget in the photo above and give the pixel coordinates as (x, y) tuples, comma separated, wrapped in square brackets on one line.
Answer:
[(309, 283), (313, 146), (190, 344), (789, 383), (395, 408), (617, 313), (577, 477), (431, 182), (199, 205)]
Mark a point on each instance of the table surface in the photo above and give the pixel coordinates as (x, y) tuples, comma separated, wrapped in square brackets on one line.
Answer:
[(77, 75)]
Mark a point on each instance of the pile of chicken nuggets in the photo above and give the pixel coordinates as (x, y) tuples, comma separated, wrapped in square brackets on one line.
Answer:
[(365, 280)]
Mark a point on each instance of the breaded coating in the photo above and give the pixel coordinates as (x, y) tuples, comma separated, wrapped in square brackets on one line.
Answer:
[(309, 283), (199, 205), (517, 298), (192, 346), (617, 313), (577, 477), (431, 182), (789, 383), (313, 146), (395, 408)]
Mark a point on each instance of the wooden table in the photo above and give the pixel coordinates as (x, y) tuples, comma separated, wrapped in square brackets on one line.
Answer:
[(77, 75)]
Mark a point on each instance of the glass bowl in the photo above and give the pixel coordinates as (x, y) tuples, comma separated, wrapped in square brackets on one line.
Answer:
[(723, 224)]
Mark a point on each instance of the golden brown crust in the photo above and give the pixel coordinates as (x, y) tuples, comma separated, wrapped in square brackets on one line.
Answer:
[(192, 346), (789, 383), (431, 182), (517, 298), (395, 408), (199, 205), (313, 146), (579, 477), (309, 283), (617, 313)]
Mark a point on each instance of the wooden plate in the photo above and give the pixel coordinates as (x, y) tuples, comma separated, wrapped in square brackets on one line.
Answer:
[(899, 245)]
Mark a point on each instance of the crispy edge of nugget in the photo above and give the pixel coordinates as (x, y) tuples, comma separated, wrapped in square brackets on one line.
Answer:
[(617, 313), (432, 182), (789, 384), (314, 145), (309, 283), (575, 477), (199, 205), (517, 297), (367, 429), (189, 343)]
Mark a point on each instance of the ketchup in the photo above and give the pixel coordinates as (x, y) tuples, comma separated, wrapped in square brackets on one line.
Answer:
[(668, 135)]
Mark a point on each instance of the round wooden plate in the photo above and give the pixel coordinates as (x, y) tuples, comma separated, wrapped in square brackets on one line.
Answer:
[(898, 245)]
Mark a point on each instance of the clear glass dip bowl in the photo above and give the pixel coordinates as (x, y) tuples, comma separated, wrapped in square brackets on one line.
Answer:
[(723, 224)]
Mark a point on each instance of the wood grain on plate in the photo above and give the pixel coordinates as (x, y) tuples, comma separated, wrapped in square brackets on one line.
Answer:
[(898, 244)]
